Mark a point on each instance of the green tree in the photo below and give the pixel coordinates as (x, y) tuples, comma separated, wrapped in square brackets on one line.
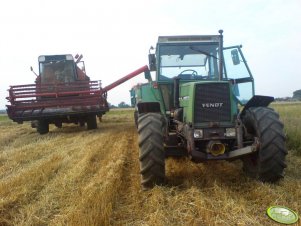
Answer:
[(123, 105), (297, 94)]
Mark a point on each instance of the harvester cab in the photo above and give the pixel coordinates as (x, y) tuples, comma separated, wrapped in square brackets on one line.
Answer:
[(60, 69), (203, 105)]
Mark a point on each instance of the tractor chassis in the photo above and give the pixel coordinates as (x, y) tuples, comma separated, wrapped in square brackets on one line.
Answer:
[(198, 156)]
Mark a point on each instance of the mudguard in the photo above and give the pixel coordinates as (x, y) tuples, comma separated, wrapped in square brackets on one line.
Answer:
[(257, 101), (147, 107)]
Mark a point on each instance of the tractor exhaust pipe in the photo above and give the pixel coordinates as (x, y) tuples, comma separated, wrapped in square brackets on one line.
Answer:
[(176, 91), (220, 54), (215, 148)]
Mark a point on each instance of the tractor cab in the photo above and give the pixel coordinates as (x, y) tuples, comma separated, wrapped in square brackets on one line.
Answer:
[(189, 61), (200, 59)]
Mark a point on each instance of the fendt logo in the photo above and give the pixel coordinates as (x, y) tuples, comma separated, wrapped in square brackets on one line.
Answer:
[(212, 105)]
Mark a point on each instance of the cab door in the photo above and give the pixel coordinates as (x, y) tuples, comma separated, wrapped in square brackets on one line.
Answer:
[(237, 71)]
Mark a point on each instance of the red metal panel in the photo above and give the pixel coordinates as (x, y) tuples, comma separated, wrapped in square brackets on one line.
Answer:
[(81, 95), (27, 99)]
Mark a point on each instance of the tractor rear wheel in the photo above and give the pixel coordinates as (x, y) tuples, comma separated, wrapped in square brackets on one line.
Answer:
[(42, 126), (136, 118), (91, 122), (268, 163), (152, 156)]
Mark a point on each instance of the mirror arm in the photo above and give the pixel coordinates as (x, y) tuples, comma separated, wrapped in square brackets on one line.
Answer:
[(34, 71)]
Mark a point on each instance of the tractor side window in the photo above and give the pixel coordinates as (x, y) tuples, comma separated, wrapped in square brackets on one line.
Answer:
[(236, 71)]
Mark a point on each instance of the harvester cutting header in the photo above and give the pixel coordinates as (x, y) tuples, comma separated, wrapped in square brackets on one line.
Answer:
[(62, 93)]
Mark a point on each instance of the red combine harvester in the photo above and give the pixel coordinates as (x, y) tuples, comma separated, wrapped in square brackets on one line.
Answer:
[(62, 93)]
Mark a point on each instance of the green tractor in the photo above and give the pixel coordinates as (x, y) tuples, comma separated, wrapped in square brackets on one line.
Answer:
[(202, 105)]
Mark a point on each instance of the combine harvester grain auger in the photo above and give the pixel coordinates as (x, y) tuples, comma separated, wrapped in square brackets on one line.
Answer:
[(62, 93)]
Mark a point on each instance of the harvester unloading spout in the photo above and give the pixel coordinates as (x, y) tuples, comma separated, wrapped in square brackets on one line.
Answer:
[(126, 78)]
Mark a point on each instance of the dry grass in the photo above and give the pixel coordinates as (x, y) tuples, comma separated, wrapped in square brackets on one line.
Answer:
[(290, 115), (76, 177)]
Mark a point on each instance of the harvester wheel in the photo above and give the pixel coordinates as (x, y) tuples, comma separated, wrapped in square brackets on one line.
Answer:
[(34, 123), (91, 122), (42, 126), (152, 157), (268, 163)]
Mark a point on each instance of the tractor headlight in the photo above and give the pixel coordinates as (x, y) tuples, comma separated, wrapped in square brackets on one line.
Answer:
[(230, 132), (198, 133)]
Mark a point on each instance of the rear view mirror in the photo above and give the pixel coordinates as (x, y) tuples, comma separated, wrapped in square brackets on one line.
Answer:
[(152, 61), (147, 75), (235, 57)]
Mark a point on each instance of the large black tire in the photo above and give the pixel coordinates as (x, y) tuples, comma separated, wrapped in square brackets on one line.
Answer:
[(268, 163), (136, 118), (42, 127), (91, 122), (34, 124), (152, 156)]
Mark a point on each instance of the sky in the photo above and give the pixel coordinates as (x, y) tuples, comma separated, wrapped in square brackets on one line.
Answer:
[(115, 36)]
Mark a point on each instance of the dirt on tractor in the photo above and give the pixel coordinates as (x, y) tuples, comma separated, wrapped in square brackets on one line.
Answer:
[(72, 176)]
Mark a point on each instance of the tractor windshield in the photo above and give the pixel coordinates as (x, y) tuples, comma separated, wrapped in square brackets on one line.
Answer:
[(189, 62), (57, 71)]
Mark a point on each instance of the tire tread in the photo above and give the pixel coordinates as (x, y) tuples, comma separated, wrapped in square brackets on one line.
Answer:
[(268, 164), (152, 157)]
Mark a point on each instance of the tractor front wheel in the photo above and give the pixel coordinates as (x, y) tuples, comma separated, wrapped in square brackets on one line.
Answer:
[(152, 157), (268, 163)]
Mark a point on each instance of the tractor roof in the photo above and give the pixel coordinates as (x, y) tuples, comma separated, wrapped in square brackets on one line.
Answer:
[(44, 58), (188, 38)]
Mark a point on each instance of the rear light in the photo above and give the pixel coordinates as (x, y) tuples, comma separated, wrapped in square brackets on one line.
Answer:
[(155, 85)]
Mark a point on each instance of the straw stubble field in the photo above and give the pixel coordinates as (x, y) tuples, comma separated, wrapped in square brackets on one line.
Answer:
[(72, 176)]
